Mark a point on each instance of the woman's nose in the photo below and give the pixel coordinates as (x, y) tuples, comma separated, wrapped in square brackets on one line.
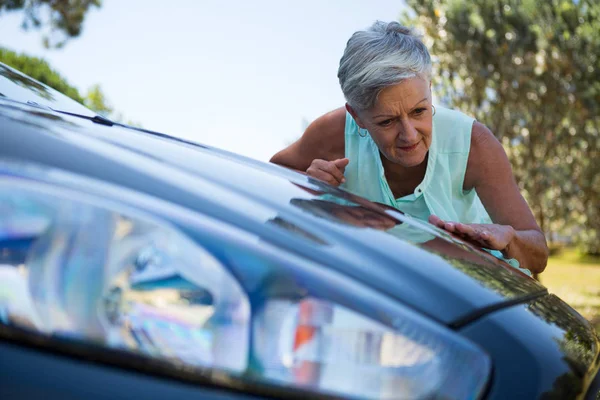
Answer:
[(408, 134)]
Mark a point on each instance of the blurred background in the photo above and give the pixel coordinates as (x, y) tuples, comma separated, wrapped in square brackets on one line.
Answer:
[(249, 76)]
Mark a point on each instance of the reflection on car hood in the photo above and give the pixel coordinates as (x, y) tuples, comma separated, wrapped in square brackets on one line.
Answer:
[(395, 254), (19, 87)]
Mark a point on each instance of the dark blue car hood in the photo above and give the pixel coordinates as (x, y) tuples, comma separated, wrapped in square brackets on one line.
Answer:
[(413, 262)]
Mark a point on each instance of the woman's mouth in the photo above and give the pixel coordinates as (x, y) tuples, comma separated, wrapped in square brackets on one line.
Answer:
[(409, 148)]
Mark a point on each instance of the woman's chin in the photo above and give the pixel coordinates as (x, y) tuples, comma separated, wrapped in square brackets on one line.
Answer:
[(409, 160)]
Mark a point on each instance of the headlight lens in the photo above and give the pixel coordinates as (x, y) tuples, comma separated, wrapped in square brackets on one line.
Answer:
[(330, 348), (122, 279), (78, 266)]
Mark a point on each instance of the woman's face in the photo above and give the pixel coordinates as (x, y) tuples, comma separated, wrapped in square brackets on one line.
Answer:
[(400, 123)]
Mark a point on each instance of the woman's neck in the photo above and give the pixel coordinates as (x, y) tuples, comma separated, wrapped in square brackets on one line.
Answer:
[(403, 180), (401, 172)]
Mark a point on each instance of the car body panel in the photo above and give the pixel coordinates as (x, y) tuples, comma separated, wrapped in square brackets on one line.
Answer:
[(554, 351), (20, 87), (459, 279), (31, 372)]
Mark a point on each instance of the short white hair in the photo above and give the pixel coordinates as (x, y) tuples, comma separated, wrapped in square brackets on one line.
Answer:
[(383, 55)]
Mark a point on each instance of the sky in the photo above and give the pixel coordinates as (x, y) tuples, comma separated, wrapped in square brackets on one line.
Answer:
[(240, 75)]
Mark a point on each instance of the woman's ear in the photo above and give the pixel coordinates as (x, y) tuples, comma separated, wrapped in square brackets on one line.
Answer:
[(355, 116)]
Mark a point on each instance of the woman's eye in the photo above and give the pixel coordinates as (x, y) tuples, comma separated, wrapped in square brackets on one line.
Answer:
[(387, 122), (419, 111)]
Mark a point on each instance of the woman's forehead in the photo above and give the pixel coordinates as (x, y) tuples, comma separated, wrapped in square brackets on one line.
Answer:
[(406, 94)]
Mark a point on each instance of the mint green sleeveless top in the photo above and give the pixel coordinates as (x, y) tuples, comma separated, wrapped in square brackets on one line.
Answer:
[(441, 191)]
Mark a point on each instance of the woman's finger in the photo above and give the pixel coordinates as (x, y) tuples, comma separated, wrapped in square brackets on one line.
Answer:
[(341, 163), (332, 169), (450, 226), (437, 221), (469, 232), (434, 219), (326, 171), (322, 176), (329, 168), (466, 229)]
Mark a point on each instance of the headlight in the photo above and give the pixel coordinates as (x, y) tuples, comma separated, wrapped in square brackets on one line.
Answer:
[(328, 347), (116, 277), (111, 272)]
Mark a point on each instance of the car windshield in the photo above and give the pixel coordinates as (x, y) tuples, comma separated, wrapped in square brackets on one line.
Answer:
[(19, 87)]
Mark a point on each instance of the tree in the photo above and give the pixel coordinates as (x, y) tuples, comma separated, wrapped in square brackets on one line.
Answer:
[(40, 70), (96, 100), (63, 17), (529, 70)]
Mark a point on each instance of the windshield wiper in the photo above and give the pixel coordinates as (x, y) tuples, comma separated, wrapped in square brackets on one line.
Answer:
[(97, 119)]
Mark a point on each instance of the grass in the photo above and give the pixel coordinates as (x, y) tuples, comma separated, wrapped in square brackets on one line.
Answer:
[(575, 279)]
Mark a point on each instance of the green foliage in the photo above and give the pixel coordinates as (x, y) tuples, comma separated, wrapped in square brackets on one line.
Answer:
[(96, 100), (529, 70), (568, 255), (64, 18), (39, 70)]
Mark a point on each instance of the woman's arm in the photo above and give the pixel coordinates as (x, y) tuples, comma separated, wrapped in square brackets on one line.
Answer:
[(322, 140), (515, 231)]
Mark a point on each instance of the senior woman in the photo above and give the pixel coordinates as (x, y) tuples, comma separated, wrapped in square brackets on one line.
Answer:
[(391, 145)]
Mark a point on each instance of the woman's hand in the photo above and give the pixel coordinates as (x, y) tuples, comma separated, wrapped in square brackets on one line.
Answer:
[(331, 172), (490, 236)]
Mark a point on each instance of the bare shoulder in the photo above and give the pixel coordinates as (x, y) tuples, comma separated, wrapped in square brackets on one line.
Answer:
[(323, 139), (328, 129), (482, 138), (486, 157)]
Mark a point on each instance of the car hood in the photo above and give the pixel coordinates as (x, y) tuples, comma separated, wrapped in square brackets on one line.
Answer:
[(411, 261), (19, 87)]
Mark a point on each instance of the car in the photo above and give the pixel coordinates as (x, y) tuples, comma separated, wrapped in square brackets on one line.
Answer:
[(136, 264)]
